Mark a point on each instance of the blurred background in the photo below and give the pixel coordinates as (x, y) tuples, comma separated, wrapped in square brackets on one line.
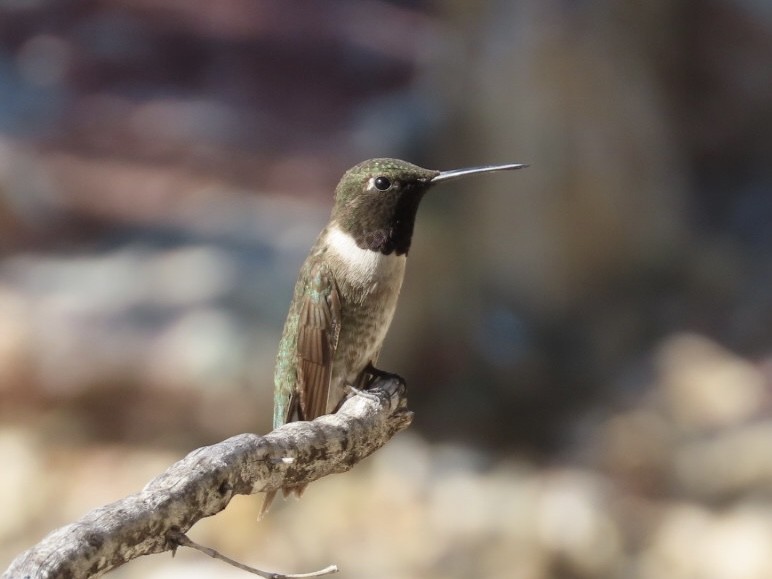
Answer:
[(587, 343)]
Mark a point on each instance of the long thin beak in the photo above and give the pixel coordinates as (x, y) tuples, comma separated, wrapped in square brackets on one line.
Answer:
[(457, 173)]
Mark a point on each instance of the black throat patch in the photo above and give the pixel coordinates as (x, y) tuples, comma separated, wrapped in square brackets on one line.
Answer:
[(386, 225)]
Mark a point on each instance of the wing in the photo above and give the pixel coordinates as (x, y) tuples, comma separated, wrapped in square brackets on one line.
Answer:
[(306, 352), (318, 330)]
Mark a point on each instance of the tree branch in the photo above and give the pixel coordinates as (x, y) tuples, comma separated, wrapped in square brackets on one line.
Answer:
[(203, 483)]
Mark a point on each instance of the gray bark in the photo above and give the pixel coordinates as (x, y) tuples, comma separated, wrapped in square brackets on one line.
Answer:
[(203, 483)]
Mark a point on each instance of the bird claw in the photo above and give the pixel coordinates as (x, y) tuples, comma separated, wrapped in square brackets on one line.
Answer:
[(393, 384), (352, 391)]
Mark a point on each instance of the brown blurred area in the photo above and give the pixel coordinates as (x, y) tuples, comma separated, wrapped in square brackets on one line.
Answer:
[(587, 343)]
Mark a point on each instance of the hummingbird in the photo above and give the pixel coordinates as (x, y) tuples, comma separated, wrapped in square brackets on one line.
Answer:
[(347, 289)]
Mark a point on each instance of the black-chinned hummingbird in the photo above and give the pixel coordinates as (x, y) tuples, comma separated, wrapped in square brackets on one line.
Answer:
[(347, 290)]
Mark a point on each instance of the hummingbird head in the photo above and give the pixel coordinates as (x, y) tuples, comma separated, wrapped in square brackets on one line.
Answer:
[(377, 200)]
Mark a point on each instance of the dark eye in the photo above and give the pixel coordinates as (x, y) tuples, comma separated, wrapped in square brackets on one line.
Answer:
[(382, 183)]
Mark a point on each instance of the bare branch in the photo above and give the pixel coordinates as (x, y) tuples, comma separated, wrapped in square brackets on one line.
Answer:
[(183, 540), (203, 483)]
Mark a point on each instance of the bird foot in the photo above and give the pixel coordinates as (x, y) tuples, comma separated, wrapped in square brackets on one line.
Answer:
[(375, 373), (352, 391), (392, 383)]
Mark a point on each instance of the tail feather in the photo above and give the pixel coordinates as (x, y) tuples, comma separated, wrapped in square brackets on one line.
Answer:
[(297, 492), (267, 502), (271, 495)]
